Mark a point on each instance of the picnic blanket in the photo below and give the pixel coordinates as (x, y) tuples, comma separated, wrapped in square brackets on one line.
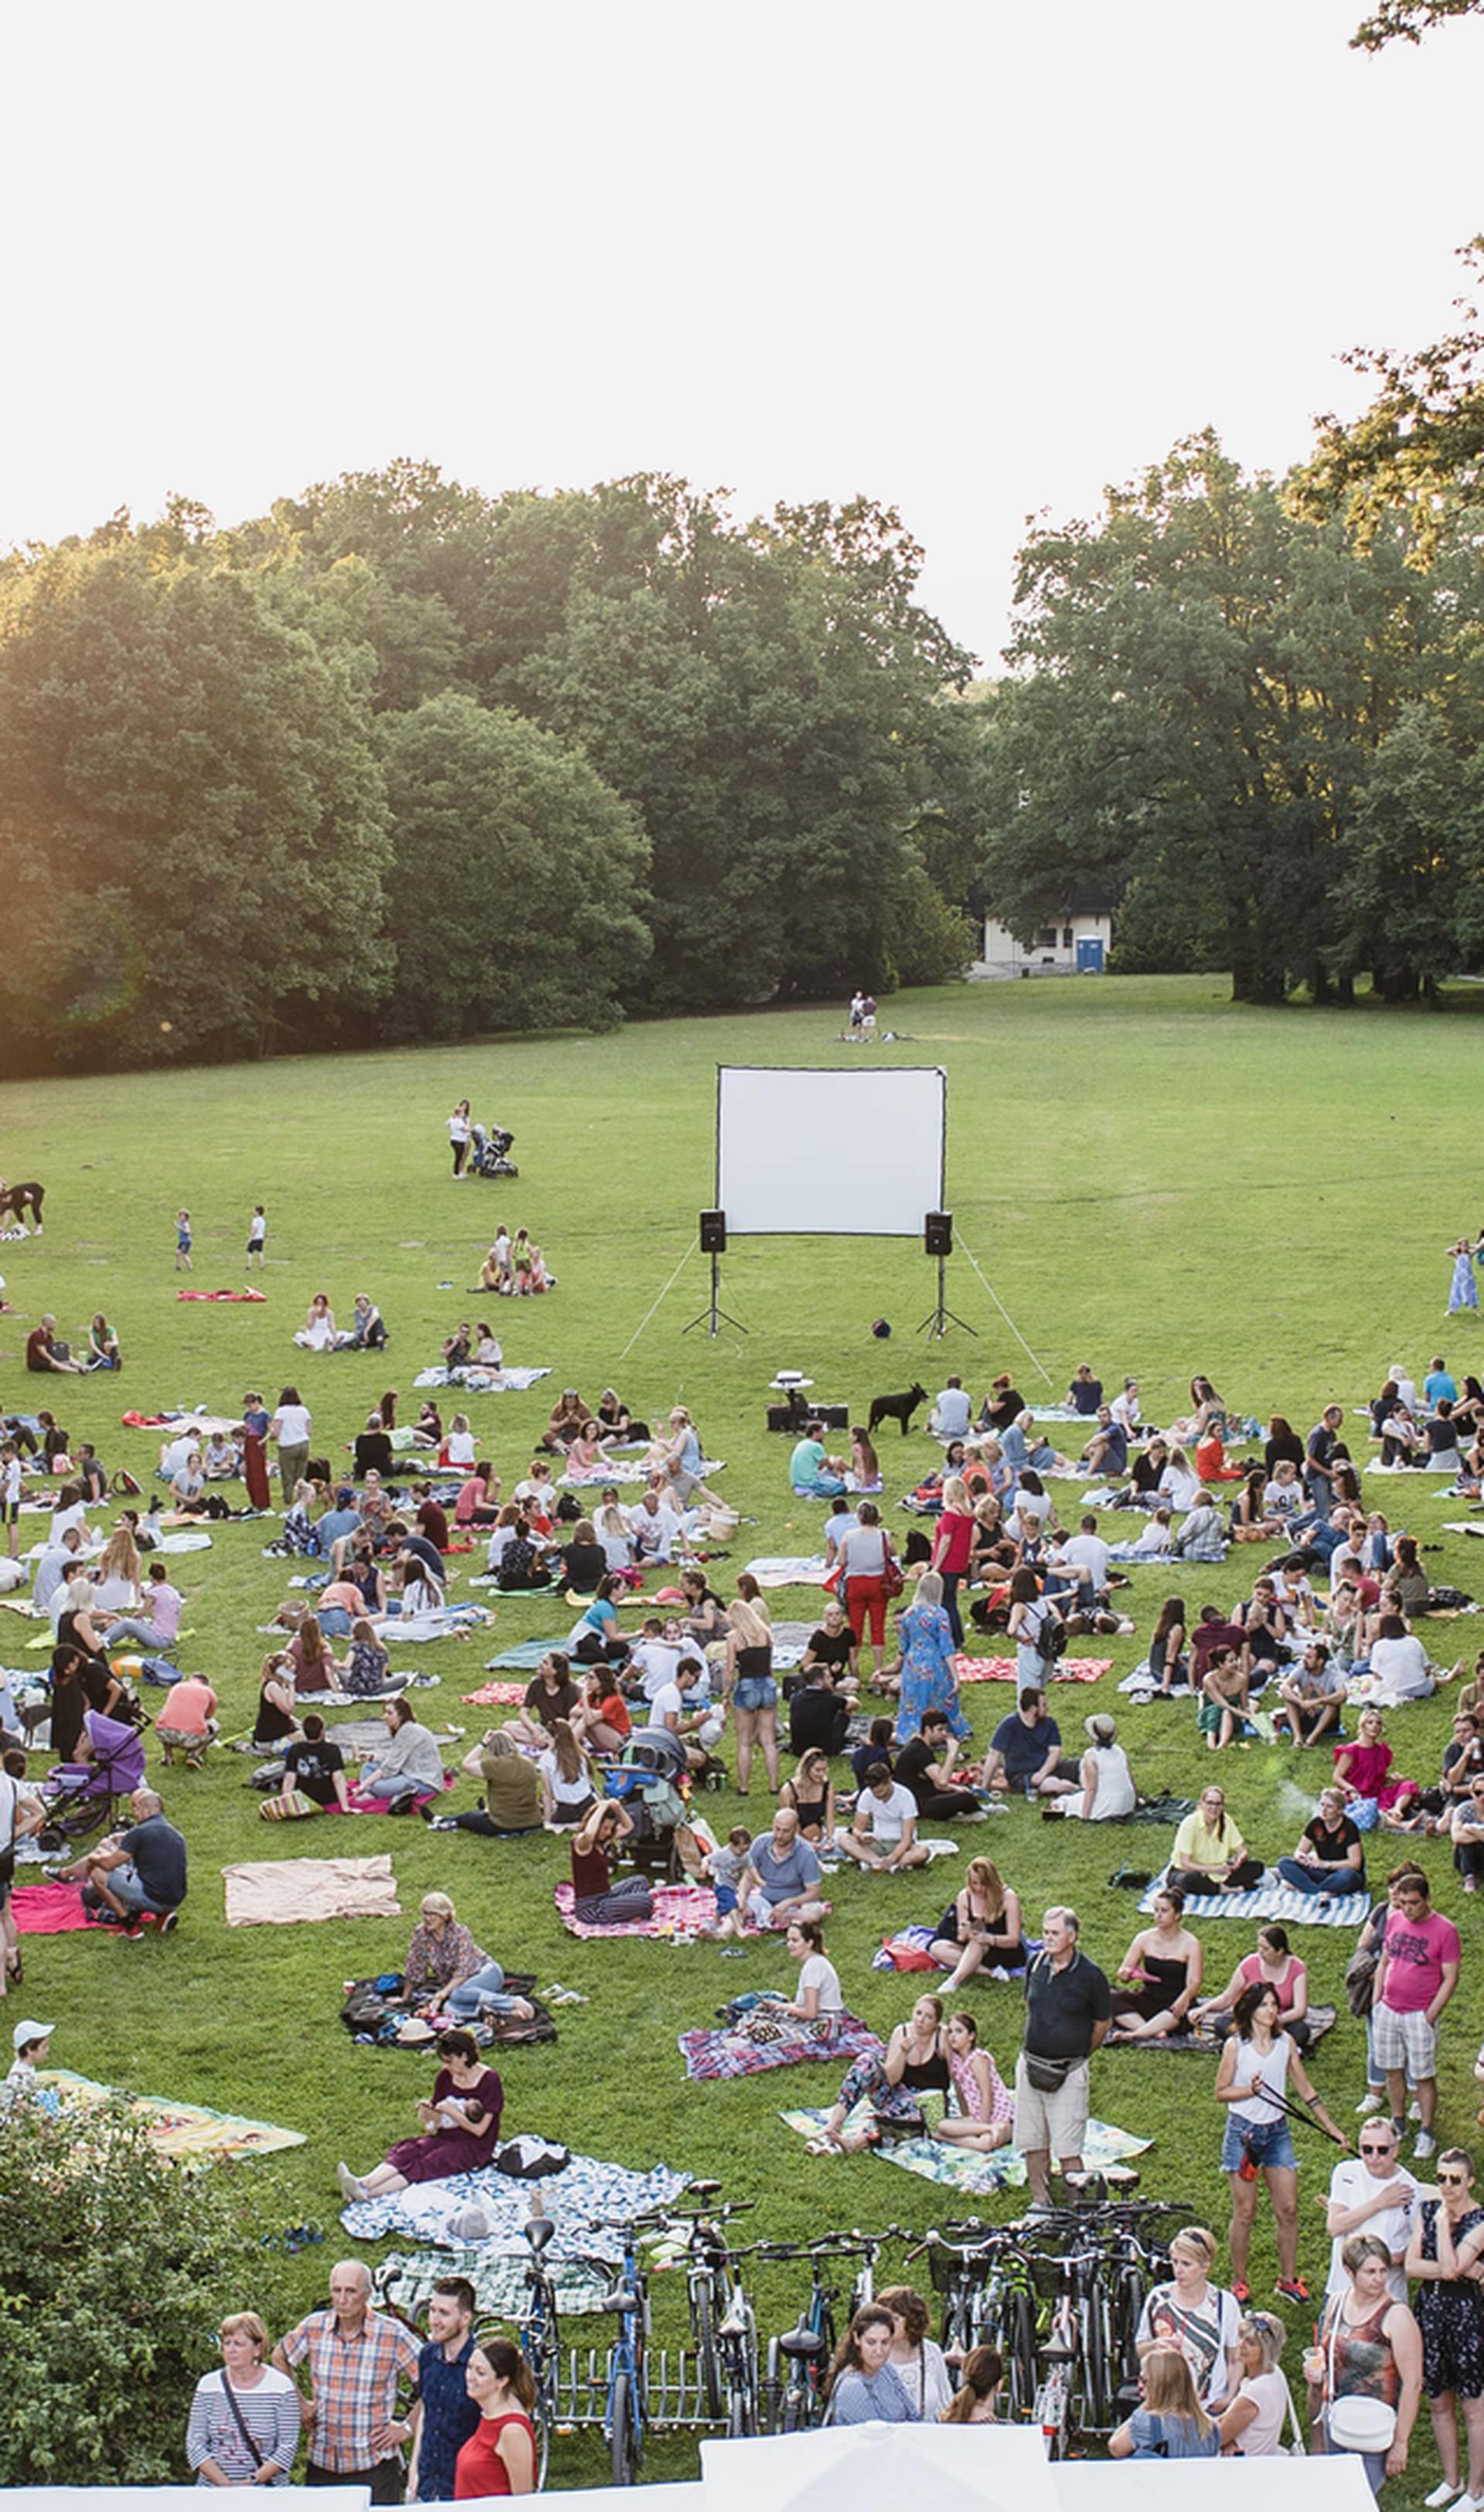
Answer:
[(584, 2199), (267, 1893), (1273, 1902), (1001, 1669), (714, 2056), (522, 1656), (790, 1569), (679, 1910), (48, 1909), (444, 1623), (359, 1802), (259, 1298), (407, 2277), (1105, 2148), (496, 1695), (183, 2132), (1320, 2019), (478, 1379), (199, 1420)]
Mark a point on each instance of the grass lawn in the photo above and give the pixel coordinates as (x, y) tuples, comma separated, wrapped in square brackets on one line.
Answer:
[(1151, 1179)]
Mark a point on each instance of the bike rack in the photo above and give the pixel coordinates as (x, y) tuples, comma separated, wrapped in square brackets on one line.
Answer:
[(674, 2394)]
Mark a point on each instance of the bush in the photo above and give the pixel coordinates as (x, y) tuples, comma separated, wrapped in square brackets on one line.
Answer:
[(115, 2270)]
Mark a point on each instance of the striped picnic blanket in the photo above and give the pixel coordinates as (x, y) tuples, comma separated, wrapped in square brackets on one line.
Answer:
[(1273, 1902)]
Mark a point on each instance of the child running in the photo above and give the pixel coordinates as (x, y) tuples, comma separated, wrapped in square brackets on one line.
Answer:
[(183, 1262)]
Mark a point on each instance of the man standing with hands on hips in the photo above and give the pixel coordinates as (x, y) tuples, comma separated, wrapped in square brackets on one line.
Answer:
[(1067, 2012)]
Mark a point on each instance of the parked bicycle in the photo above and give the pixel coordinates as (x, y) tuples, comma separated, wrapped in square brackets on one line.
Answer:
[(722, 2317), (624, 2406)]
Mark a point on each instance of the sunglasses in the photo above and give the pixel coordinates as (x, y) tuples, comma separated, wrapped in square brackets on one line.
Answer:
[(1383, 2146), (1452, 2180)]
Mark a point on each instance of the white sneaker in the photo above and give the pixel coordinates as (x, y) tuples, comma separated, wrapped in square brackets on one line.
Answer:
[(1425, 2145), (1441, 2494), (1414, 2109), (1372, 2102)]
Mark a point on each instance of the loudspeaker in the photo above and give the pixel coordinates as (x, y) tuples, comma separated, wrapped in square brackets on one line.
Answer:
[(712, 1234), (937, 1233)]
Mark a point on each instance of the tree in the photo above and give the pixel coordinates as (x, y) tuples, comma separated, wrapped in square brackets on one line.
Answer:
[(1408, 20), (113, 2269), (192, 821), (517, 893)]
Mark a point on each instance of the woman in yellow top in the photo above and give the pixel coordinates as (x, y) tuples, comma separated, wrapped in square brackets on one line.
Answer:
[(1210, 1855)]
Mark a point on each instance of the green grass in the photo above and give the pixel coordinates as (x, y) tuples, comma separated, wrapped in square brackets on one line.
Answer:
[(1151, 1179)]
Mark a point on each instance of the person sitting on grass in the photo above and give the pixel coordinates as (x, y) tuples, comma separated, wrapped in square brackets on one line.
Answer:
[(409, 1765), (511, 1792), (986, 2114), (447, 1973), (925, 1767), (1222, 1713), (1312, 1696), (1025, 1751), (460, 2129), (1210, 1855), (882, 1833), (982, 1924), (781, 1880), (135, 1874), (916, 2063), (727, 1866), (314, 1768), (1329, 1856)]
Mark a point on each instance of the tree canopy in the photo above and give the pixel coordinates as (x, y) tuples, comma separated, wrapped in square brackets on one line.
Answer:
[(398, 754)]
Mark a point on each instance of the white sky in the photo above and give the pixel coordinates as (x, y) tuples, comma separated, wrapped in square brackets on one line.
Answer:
[(974, 262)]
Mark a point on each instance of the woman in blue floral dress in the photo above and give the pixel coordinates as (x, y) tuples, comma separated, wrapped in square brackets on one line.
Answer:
[(1463, 1291), (928, 1680)]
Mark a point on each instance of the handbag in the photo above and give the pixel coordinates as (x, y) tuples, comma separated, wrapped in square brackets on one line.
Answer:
[(1356, 2423), (893, 1576)]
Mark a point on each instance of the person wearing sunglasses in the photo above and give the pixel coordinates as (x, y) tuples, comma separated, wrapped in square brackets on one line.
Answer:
[(1371, 2192), (1447, 2244)]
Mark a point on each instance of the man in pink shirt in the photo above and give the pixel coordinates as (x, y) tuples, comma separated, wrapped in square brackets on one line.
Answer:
[(1416, 1977), (187, 1720)]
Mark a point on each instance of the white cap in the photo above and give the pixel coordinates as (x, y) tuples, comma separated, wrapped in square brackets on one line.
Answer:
[(29, 2030)]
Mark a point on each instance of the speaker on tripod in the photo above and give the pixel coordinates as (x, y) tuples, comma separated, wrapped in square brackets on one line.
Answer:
[(713, 1239), (937, 1233), (712, 1234), (938, 1243)]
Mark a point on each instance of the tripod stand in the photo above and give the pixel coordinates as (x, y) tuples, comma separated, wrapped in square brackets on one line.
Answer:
[(938, 1319), (713, 1315)]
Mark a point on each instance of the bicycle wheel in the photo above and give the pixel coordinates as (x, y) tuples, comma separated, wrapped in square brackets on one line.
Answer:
[(801, 2408), (703, 2314), (1017, 2344), (623, 2432), (541, 2420)]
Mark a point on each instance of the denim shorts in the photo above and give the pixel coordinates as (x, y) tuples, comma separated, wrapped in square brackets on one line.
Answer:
[(754, 1692), (1269, 2142)]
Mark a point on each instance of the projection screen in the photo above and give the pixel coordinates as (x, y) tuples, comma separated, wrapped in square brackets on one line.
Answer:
[(828, 1155)]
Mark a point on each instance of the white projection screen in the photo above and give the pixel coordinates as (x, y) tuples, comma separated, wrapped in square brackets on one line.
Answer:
[(828, 1155)]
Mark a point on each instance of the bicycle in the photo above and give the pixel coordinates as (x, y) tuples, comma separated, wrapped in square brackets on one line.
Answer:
[(799, 2360), (989, 2299), (720, 2315), (623, 2413), (541, 2338)]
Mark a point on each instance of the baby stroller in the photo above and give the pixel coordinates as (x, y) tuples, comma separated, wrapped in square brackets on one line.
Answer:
[(488, 1147), (82, 1796), (651, 1778)]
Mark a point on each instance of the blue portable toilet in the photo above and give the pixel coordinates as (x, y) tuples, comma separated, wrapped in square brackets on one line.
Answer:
[(1090, 954)]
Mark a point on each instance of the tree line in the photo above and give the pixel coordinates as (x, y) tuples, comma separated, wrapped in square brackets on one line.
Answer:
[(401, 760)]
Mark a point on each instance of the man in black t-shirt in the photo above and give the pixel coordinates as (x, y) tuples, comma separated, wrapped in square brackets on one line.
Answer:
[(924, 1766), (1069, 2008), (316, 1766), (818, 1716)]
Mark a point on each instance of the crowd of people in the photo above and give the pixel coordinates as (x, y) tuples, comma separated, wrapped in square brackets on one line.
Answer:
[(868, 1757)]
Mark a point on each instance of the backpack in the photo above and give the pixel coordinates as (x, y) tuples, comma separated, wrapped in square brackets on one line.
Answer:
[(1052, 1636)]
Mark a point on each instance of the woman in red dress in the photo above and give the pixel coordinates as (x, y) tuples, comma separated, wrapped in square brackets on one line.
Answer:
[(499, 2457)]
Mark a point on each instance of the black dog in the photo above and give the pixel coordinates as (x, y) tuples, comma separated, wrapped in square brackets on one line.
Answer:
[(16, 1198), (896, 1408)]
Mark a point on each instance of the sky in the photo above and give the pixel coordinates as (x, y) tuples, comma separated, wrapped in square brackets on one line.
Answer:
[(972, 261)]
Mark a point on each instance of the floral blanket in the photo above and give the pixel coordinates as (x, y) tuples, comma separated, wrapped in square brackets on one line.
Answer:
[(1001, 1669), (1105, 2150)]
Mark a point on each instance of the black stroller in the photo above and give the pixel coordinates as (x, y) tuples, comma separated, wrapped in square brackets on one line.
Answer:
[(488, 1148)]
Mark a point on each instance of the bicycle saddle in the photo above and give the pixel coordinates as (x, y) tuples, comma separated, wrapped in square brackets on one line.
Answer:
[(538, 2232), (622, 2298), (801, 2344)]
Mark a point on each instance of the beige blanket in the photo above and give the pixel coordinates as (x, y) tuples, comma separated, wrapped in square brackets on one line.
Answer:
[(270, 1892)]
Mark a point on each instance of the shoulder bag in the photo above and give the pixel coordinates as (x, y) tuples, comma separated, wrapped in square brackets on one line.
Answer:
[(1356, 2423)]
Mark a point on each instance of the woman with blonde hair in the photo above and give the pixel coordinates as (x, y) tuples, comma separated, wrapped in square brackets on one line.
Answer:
[(1171, 2423), (811, 1794), (116, 1574), (749, 1691), (1253, 2423), (982, 1924), (243, 2427)]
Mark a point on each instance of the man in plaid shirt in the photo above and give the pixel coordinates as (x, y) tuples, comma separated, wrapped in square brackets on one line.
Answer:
[(356, 2360)]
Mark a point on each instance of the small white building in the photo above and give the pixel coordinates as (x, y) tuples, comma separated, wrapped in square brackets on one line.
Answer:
[(1076, 943)]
